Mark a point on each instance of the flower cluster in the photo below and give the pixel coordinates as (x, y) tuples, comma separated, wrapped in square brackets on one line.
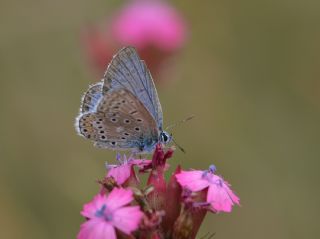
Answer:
[(154, 27), (175, 209)]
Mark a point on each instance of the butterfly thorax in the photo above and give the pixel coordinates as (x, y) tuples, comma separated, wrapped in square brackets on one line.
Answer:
[(147, 144)]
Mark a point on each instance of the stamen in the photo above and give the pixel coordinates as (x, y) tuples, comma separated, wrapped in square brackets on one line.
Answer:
[(212, 168), (104, 213), (118, 157), (205, 173), (100, 212)]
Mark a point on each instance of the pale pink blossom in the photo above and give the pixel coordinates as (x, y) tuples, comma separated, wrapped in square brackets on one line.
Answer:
[(105, 213), (219, 195)]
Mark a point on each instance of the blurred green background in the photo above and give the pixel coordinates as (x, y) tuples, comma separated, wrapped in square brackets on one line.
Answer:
[(250, 74)]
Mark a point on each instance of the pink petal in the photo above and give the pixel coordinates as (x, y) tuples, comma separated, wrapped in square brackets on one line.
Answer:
[(123, 172), (221, 197), (127, 219), (119, 197), (233, 197), (96, 229), (120, 173), (90, 208), (192, 180)]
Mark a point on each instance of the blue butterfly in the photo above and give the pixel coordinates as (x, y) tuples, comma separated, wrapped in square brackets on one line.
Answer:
[(123, 112)]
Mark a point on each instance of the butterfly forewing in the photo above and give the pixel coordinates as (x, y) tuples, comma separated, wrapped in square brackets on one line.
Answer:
[(120, 122), (127, 71)]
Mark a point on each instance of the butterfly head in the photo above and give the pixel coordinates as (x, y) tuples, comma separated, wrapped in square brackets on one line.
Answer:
[(165, 137)]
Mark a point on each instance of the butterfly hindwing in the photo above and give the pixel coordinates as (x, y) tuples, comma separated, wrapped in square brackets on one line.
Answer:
[(128, 71), (120, 122), (91, 98)]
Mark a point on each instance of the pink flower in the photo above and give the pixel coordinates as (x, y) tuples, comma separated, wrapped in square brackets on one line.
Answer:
[(122, 172), (145, 23), (167, 209), (105, 213), (154, 27), (219, 194)]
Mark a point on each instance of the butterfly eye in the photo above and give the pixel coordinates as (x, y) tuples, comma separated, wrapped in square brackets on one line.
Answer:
[(165, 137)]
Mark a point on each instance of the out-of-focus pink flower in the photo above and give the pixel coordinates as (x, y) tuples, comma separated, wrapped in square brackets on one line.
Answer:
[(98, 48), (154, 27), (122, 172), (105, 213), (219, 194), (145, 23)]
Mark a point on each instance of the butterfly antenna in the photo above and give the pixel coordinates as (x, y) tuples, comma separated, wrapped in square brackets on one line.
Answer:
[(212, 235), (180, 122), (204, 236), (208, 235), (179, 147)]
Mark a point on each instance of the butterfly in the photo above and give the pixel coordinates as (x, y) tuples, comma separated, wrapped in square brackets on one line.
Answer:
[(123, 111)]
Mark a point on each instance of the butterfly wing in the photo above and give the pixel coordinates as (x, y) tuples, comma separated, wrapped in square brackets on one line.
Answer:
[(128, 71), (91, 98), (120, 122)]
